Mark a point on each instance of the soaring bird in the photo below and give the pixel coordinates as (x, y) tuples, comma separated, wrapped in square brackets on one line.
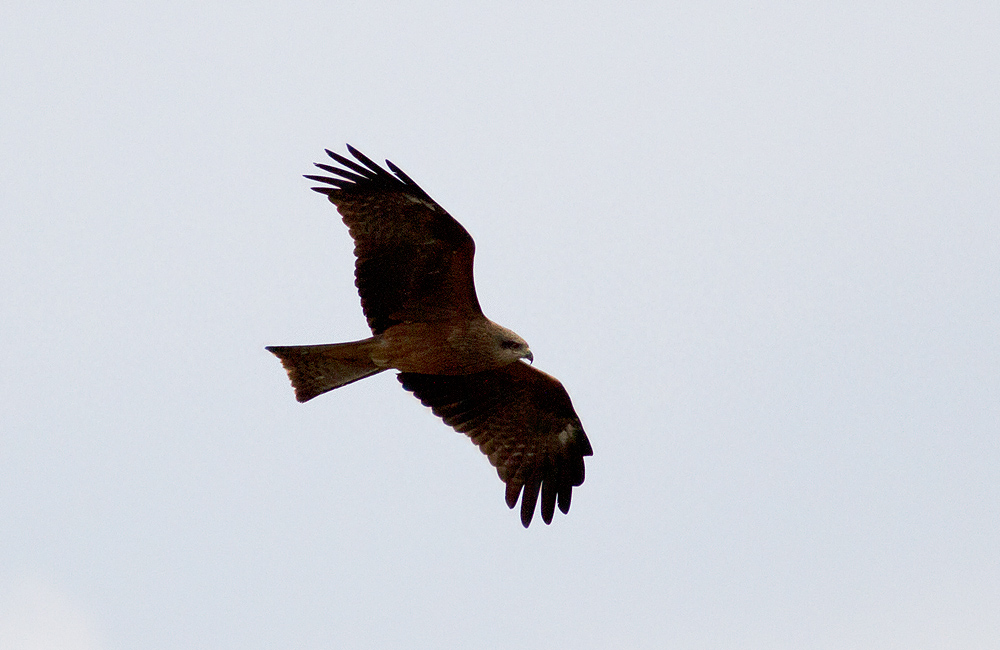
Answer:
[(414, 274)]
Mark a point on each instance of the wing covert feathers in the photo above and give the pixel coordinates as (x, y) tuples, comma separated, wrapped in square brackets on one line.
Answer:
[(523, 420)]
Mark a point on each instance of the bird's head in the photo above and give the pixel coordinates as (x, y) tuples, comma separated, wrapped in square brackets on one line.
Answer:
[(512, 347)]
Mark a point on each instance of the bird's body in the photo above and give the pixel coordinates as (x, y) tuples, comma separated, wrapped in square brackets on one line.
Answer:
[(453, 347), (414, 274)]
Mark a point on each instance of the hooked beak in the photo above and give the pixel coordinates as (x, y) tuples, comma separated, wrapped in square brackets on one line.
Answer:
[(530, 357)]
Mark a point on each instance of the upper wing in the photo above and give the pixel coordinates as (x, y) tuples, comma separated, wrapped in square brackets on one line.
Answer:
[(523, 420), (414, 261)]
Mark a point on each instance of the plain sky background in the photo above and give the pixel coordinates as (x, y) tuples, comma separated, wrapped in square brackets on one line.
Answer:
[(759, 243)]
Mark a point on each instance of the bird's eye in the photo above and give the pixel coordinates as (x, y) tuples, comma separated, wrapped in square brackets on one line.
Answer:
[(508, 345)]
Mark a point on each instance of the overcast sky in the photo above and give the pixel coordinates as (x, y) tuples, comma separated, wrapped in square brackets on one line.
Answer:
[(759, 243)]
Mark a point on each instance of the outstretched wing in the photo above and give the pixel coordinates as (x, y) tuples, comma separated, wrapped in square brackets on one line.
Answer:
[(414, 261), (523, 420)]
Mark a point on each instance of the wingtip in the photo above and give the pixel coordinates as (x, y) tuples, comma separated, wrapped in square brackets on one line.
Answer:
[(526, 514), (512, 494), (564, 498), (369, 163)]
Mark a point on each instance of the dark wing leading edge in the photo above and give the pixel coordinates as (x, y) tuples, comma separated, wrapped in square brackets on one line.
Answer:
[(523, 420), (414, 261)]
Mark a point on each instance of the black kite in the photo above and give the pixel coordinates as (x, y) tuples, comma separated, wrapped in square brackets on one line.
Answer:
[(414, 274)]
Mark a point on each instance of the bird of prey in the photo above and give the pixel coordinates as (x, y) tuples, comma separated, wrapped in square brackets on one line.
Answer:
[(414, 274)]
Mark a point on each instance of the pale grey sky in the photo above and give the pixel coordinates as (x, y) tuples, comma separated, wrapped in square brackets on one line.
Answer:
[(758, 242)]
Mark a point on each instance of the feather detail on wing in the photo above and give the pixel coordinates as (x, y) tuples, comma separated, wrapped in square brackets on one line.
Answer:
[(523, 420), (414, 261)]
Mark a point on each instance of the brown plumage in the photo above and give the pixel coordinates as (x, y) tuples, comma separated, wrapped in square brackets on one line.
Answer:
[(414, 275)]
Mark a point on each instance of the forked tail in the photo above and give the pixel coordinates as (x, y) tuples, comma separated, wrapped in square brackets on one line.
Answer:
[(316, 369)]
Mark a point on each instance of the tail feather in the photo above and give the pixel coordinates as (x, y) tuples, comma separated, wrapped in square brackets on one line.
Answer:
[(316, 369)]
